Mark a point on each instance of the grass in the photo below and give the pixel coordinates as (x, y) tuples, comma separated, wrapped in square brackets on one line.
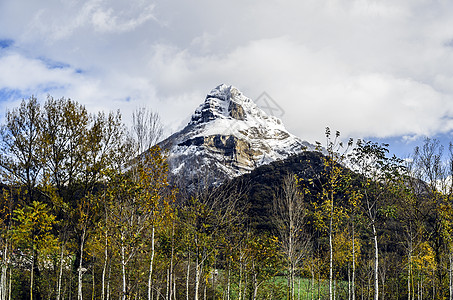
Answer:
[(304, 288), (277, 288)]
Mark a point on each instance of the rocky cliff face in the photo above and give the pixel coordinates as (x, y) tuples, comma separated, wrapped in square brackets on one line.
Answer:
[(228, 135)]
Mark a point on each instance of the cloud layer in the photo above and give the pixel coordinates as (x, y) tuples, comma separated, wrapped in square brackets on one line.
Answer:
[(367, 68)]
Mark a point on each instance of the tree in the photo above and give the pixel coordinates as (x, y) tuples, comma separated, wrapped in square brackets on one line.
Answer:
[(21, 146), (146, 127), (289, 216), (65, 127), (433, 170), (6, 211), (331, 186), (32, 234), (156, 197), (77, 148), (209, 216), (137, 202), (263, 261), (354, 216), (377, 180)]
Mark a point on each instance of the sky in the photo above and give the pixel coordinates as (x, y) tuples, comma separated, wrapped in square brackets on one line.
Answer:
[(374, 69)]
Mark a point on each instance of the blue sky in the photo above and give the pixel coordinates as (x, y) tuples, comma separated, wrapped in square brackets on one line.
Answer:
[(376, 69)]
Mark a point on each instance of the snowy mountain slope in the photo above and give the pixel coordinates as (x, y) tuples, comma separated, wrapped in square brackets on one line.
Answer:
[(229, 135)]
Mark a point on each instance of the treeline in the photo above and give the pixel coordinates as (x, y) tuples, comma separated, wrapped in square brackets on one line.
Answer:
[(86, 213)]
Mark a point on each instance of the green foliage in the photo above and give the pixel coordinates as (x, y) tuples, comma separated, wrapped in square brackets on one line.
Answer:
[(33, 228)]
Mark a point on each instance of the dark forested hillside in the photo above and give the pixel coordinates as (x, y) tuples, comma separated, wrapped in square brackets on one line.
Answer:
[(264, 183)]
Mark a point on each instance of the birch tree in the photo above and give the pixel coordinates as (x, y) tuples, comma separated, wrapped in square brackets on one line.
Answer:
[(378, 175), (147, 128), (330, 183), (289, 217)]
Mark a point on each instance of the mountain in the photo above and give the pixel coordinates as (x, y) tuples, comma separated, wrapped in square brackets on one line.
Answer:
[(227, 136)]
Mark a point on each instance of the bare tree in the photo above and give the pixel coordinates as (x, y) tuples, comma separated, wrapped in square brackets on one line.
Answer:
[(288, 215), (147, 128), (210, 214), (21, 146)]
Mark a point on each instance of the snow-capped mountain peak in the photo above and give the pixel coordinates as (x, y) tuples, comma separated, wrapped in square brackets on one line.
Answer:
[(224, 102), (227, 111), (229, 135)]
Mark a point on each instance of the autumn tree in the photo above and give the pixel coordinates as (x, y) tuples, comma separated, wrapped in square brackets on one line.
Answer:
[(433, 169), (6, 212), (376, 182), (263, 261), (289, 218), (330, 185), (32, 234)]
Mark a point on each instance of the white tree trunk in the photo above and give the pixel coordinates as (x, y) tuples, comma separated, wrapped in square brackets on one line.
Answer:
[(60, 273), (228, 281), (353, 262), (197, 278), (409, 267), (240, 279), (4, 280), (167, 286), (108, 283), (450, 275), (330, 255), (298, 289), (171, 262), (3, 283), (80, 270), (31, 275), (123, 267), (188, 276), (104, 268), (151, 265), (376, 264), (349, 283), (255, 287), (174, 287)]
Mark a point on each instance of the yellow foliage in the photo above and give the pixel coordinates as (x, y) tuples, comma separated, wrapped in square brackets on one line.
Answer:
[(423, 259), (342, 243)]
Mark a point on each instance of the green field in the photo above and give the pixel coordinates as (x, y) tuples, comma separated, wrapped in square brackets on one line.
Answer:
[(305, 288), (277, 288)]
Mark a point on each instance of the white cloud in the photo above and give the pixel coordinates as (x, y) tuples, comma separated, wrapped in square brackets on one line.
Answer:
[(314, 88), (21, 73), (364, 67), (63, 20)]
